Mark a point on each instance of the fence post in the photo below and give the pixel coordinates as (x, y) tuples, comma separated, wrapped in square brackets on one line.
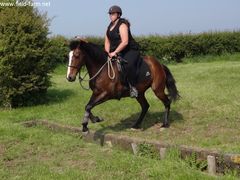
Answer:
[(134, 148), (162, 153), (109, 144), (211, 160)]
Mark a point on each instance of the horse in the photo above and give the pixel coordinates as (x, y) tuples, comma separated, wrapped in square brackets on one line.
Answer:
[(105, 88)]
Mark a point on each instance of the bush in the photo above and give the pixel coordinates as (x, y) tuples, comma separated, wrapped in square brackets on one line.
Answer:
[(25, 56), (59, 49)]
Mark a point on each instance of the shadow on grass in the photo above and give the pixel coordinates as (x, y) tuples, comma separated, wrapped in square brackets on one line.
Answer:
[(52, 96), (58, 96), (149, 121)]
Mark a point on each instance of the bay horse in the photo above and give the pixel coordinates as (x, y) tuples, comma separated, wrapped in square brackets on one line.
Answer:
[(105, 88)]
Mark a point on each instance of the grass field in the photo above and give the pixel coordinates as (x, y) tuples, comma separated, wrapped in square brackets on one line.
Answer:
[(206, 116)]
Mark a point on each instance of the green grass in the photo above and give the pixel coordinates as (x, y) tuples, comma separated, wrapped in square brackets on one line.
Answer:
[(206, 116)]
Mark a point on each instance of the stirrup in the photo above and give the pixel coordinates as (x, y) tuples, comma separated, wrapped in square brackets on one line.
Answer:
[(133, 92)]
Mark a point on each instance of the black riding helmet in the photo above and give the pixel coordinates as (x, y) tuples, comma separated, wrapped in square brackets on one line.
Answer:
[(115, 9)]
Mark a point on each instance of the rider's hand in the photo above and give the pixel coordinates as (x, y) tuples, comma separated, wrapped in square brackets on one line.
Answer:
[(112, 54)]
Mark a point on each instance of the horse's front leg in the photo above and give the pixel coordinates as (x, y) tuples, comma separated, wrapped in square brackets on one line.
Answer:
[(94, 100), (86, 117)]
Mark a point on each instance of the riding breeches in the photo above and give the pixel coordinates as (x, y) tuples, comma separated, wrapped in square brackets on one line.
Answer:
[(132, 57)]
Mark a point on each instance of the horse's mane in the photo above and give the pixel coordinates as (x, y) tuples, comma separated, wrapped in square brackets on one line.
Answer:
[(95, 51)]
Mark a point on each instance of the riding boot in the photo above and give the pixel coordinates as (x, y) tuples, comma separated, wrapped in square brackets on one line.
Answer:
[(131, 82)]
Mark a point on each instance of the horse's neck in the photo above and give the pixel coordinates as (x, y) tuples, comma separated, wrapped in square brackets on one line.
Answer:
[(93, 66), (95, 58)]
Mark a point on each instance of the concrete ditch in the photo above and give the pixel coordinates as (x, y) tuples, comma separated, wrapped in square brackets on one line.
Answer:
[(217, 162)]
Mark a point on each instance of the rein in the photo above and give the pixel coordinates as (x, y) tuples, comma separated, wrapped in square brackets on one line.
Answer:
[(111, 73)]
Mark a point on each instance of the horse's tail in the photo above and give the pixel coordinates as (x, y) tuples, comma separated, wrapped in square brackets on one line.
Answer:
[(171, 84)]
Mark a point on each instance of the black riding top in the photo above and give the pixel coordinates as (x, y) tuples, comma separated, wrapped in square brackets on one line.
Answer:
[(115, 38)]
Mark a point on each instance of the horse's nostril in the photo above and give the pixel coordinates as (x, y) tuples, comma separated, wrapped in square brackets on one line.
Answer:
[(70, 79)]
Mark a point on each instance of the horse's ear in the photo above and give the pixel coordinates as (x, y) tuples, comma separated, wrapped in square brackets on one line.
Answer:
[(81, 39), (76, 42)]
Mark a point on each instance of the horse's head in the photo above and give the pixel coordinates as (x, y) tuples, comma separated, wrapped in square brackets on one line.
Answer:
[(76, 59)]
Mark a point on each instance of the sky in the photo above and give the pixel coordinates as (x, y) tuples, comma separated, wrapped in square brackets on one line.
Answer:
[(147, 17)]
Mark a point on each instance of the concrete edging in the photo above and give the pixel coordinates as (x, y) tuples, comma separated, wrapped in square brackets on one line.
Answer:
[(217, 162)]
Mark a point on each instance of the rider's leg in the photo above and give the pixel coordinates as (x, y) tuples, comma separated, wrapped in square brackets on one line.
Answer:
[(132, 58)]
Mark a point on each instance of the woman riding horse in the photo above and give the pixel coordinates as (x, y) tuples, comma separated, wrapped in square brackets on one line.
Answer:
[(105, 88), (119, 42)]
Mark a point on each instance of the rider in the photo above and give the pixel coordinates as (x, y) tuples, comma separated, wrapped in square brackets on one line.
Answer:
[(119, 42)]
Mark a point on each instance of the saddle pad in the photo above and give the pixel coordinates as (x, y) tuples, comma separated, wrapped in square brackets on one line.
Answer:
[(143, 71)]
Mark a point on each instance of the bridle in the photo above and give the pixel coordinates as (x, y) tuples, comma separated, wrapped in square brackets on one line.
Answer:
[(111, 75), (74, 67)]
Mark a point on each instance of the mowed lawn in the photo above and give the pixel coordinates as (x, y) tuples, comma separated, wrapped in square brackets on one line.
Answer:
[(207, 115)]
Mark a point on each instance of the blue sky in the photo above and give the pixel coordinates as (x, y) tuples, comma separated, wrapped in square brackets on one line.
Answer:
[(163, 17)]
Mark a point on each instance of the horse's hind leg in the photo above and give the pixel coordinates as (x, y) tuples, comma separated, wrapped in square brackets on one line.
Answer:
[(144, 105), (159, 92)]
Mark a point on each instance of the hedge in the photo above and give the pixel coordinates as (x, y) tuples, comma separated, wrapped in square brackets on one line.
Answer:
[(174, 48)]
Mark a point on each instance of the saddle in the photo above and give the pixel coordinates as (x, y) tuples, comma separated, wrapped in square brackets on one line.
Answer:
[(142, 71)]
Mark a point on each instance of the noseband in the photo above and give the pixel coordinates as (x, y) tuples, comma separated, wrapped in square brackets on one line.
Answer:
[(74, 67)]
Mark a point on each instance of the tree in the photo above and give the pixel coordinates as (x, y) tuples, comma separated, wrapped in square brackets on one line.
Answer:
[(25, 58)]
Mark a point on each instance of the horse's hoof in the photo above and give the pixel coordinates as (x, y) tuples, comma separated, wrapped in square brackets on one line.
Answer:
[(85, 133), (165, 126), (135, 128), (99, 119), (96, 119), (85, 129)]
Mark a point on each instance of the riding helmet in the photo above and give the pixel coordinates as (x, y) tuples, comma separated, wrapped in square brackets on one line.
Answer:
[(115, 9)]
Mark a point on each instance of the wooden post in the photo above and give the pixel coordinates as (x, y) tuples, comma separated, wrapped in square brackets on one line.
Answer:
[(109, 144), (134, 148), (162, 153), (211, 160)]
